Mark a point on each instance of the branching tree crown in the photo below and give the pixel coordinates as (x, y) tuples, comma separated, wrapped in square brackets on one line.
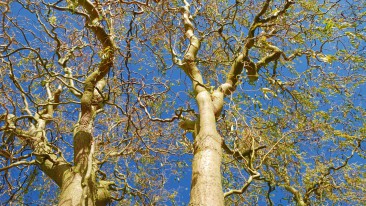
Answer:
[(115, 102)]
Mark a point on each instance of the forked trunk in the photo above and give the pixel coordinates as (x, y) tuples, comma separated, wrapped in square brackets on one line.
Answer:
[(206, 188)]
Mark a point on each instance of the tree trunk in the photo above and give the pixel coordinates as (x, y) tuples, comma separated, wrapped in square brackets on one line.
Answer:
[(206, 188), (71, 190)]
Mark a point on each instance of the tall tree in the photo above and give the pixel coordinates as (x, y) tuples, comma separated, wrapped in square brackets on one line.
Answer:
[(116, 101)]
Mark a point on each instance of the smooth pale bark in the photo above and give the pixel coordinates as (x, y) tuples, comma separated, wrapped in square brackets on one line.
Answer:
[(71, 190), (206, 188), (297, 195), (52, 165)]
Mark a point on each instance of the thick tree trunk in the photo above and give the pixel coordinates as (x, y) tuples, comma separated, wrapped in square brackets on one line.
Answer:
[(71, 190), (79, 186), (206, 188)]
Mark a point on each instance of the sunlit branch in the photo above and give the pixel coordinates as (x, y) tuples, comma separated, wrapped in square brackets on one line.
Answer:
[(278, 13), (32, 162), (239, 155), (35, 136), (71, 84), (116, 154), (135, 2), (91, 101), (176, 116), (134, 191), (245, 186), (26, 105), (297, 195), (18, 50), (267, 59), (243, 61), (262, 11), (187, 124), (323, 175), (18, 85), (69, 9), (189, 65)]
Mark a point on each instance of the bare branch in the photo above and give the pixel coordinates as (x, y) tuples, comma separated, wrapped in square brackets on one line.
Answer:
[(189, 65), (245, 186), (238, 154), (33, 162)]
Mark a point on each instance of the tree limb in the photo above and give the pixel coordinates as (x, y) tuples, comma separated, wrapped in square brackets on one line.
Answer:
[(245, 186), (32, 162)]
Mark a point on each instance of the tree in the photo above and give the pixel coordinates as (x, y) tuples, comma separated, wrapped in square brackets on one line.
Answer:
[(105, 102)]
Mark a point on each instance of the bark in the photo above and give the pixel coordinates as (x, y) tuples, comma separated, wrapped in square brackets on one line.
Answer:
[(297, 195), (72, 190), (52, 165), (79, 185), (206, 188)]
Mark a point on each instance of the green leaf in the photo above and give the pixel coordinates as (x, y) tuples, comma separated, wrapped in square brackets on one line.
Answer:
[(327, 58), (52, 20)]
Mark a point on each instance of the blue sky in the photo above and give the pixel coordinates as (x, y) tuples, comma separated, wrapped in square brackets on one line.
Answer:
[(251, 96)]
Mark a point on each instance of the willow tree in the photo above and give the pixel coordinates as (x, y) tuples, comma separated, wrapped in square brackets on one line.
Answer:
[(116, 101)]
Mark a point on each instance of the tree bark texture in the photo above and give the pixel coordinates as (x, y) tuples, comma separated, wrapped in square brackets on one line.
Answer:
[(79, 186), (206, 188)]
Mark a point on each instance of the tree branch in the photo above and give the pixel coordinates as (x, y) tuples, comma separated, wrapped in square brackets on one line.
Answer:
[(189, 65), (239, 155), (18, 164), (245, 186), (243, 61)]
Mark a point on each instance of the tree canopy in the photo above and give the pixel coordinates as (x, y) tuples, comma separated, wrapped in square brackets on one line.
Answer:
[(134, 102)]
